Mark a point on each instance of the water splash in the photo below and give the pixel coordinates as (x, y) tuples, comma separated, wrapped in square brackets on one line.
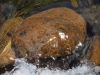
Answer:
[(22, 67)]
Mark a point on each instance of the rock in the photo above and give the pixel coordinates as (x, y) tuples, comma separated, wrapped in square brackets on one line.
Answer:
[(53, 33), (95, 51), (6, 52), (7, 55)]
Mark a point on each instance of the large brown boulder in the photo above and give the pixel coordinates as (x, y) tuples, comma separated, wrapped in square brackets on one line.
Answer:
[(56, 32)]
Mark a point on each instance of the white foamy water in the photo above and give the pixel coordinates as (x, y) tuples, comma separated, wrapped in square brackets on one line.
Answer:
[(22, 67)]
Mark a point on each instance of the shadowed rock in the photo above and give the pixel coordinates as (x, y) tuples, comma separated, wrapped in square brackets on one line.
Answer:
[(95, 51)]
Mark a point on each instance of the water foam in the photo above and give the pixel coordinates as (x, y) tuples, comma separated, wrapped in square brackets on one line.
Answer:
[(22, 67)]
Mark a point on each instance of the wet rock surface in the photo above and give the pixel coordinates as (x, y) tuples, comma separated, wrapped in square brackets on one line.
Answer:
[(50, 38), (51, 34)]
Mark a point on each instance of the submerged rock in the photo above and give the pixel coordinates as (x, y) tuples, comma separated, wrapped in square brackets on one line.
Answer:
[(50, 36)]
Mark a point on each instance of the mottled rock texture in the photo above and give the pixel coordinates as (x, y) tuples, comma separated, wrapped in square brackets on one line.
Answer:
[(53, 33)]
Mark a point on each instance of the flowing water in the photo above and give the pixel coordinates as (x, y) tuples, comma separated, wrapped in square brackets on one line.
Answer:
[(22, 67)]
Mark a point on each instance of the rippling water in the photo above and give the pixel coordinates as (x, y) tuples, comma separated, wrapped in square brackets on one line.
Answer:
[(22, 67)]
